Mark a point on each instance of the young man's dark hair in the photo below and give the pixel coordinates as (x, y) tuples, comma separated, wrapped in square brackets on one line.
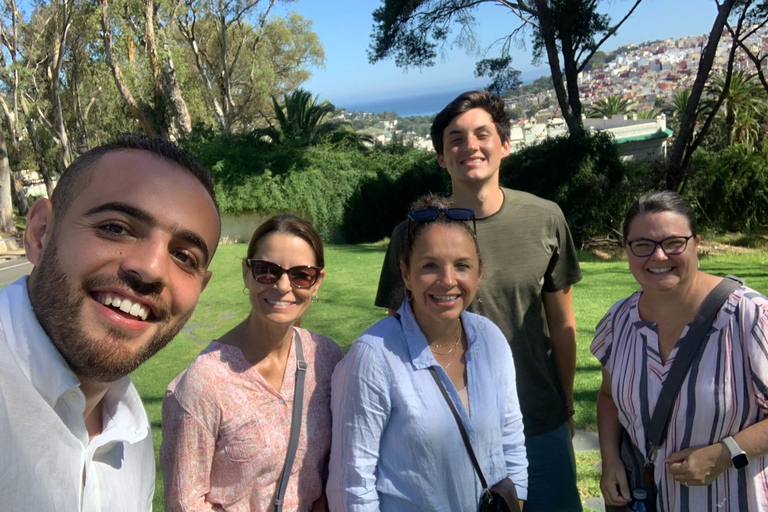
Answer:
[(491, 103), (77, 176)]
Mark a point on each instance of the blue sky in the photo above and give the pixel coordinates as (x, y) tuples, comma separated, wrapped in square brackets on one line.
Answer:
[(344, 28)]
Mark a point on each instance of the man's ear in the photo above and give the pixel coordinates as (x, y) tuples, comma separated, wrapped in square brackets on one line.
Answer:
[(506, 148), (441, 161), (39, 229), (206, 279)]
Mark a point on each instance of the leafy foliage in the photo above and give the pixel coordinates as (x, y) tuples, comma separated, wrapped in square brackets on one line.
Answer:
[(334, 185), (584, 176), (730, 188), (609, 106)]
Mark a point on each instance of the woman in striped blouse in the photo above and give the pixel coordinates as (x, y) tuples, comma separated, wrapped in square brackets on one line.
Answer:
[(723, 402)]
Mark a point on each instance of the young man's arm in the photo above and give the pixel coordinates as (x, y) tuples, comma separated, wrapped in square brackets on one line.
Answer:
[(562, 333)]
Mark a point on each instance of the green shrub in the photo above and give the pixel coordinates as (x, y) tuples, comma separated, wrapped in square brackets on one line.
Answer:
[(346, 193), (730, 189), (383, 198), (584, 176)]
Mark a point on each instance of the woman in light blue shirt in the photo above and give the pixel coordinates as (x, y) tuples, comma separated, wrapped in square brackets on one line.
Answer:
[(396, 445)]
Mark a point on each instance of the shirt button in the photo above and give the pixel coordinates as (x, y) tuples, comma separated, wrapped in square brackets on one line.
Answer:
[(281, 401), (72, 396)]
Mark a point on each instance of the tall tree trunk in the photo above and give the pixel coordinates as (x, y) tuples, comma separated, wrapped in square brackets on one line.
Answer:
[(676, 169), (42, 162), (117, 74), (18, 197), (547, 31), (182, 119), (7, 222)]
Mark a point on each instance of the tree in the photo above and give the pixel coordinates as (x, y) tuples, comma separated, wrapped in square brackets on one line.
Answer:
[(243, 56), (568, 32), (675, 109), (301, 120), (743, 99), (686, 141), (609, 106)]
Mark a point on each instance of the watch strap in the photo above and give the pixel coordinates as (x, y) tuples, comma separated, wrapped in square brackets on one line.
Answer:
[(736, 452)]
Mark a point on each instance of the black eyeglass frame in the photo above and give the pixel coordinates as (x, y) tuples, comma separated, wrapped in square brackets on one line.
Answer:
[(659, 243), (431, 214), (276, 272)]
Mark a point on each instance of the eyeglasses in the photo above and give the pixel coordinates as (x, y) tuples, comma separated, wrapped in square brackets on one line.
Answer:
[(451, 213), (300, 276), (672, 246)]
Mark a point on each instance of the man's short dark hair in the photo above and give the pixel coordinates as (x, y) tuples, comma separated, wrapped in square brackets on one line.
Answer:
[(491, 103), (77, 176)]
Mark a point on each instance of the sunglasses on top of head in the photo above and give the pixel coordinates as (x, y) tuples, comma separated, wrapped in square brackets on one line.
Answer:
[(300, 276), (452, 213)]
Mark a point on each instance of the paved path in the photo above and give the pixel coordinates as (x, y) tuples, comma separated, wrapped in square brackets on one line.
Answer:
[(12, 267), (585, 441)]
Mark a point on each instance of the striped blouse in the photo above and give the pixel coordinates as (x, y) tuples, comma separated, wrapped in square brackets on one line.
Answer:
[(723, 393)]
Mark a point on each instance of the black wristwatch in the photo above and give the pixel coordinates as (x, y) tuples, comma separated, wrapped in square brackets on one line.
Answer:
[(738, 456)]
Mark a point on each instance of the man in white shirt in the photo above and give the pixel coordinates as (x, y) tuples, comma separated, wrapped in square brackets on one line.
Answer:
[(121, 255)]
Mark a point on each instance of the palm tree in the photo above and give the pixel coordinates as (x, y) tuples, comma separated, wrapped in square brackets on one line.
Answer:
[(647, 114), (305, 121), (609, 106), (675, 109), (301, 120), (744, 102)]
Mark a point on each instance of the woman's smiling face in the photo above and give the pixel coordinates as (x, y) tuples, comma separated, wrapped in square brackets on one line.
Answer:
[(660, 271), (281, 302), (443, 275)]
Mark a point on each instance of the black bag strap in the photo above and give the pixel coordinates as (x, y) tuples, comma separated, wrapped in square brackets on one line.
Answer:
[(464, 435), (691, 345), (293, 443)]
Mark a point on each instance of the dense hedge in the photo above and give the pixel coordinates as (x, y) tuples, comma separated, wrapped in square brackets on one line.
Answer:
[(729, 189), (349, 195), (585, 177), (359, 196)]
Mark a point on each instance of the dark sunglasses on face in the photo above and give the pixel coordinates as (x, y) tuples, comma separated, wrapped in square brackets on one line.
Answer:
[(672, 246), (300, 276), (451, 213)]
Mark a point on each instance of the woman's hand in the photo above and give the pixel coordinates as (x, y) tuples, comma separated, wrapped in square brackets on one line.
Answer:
[(613, 483), (699, 466)]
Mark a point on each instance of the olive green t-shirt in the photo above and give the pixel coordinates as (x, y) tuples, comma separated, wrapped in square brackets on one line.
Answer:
[(527, 249)]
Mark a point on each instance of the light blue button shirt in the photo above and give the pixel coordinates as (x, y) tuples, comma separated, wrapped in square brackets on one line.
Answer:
[(396, 445)]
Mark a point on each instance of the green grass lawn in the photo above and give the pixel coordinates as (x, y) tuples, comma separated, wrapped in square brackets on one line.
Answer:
[(346, 309)]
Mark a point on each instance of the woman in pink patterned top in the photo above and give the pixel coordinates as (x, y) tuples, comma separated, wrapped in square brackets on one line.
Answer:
[(227, 418)]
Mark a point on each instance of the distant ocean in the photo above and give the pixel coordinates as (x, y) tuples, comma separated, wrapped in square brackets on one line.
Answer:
[(420, 105)]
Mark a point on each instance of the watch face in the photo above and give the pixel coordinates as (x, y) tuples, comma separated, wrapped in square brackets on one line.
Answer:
[(740, 461)]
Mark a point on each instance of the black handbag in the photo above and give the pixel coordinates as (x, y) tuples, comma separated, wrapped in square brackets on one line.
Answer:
[(501, 497), (640, 468)]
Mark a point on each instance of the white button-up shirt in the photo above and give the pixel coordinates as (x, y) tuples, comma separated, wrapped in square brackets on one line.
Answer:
[(47, 462)]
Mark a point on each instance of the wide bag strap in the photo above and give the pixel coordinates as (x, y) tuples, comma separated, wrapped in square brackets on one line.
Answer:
[(463, 431), (293, 443), (690, 346)]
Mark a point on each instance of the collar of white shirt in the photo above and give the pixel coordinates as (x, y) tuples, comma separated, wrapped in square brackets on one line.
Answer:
[(124, 416)]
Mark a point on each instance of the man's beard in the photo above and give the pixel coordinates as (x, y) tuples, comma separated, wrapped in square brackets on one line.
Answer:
[(58, 303)]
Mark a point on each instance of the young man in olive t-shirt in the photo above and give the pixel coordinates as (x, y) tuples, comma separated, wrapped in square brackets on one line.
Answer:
[(529, 266)]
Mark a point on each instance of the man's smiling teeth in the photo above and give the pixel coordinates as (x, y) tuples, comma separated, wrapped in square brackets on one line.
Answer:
[(124, 305), (445, 298), (659, 270)]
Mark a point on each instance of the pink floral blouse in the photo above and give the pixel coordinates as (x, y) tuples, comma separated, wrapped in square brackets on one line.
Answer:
[(226, 431)]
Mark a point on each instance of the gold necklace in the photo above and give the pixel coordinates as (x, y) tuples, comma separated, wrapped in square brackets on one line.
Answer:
[(458, 339), (453, 348)]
